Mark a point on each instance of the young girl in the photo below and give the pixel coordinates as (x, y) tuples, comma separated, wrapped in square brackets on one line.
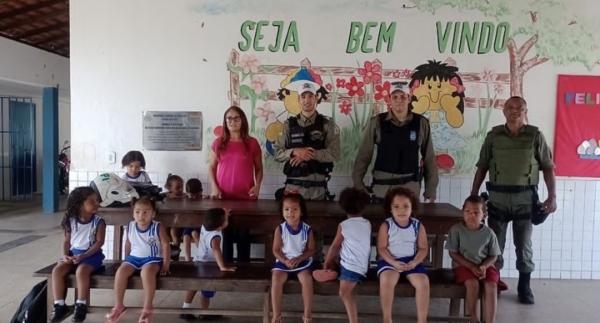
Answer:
[(145, 239), (402, 246), (209, 250), (174, 187), (473, 247), (293, 247), (353, 237), (193, 187), (82, 251), (135, 163)]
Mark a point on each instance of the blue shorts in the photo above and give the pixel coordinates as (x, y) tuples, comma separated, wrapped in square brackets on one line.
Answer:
[(305, 265), (188, 231), (94, 260), (138, 262), (383, 265), (350, 275), (208, 293)]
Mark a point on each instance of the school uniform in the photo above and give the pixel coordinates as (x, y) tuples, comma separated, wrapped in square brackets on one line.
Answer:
[(294, 245), (145, 245), (402, 245), (83, 236)]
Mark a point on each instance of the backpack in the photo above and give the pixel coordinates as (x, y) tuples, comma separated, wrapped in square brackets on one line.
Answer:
[(33, 306)]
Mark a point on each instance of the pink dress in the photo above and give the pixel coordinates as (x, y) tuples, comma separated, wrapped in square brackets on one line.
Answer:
[(235, 168)]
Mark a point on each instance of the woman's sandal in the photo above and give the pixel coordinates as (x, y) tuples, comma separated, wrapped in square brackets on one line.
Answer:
[(115, 314), (146, 316)]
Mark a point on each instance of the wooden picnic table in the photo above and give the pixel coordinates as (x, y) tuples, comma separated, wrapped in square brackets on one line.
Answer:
[(263, 216)]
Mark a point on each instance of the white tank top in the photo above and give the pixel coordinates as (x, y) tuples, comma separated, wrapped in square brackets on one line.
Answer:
[(83, 235), (402, 241), (144, 243), (294, 242), (204, 252), (356, 247)]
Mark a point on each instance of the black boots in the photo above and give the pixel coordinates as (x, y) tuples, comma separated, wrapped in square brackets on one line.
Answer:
[(525, 293)]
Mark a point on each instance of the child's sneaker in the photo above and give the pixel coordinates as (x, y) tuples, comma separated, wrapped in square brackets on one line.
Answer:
[(80, 312), (60, 312), (175, 252)]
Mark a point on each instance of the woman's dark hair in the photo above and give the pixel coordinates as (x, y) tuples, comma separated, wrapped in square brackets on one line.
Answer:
[(353, 201), (147, 200), (193, 186), (295, 197), (74, 204), (172, 178), (132, 156), (476, 199), (244, 132), (400, 191), (213, 219)]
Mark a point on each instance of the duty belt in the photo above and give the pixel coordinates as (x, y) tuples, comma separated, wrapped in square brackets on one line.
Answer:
[(509, 188), (393, 181), (305, 183)]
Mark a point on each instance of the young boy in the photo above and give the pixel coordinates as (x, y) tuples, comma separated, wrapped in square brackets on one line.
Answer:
[(473, 247), (209, 250)]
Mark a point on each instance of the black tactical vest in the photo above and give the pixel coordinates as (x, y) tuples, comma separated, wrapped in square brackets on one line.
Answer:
[(398, 147), (300, 137)]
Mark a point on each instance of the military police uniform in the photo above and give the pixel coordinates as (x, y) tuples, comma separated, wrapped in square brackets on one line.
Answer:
[(514, 164), (404, 155), (319, 132)]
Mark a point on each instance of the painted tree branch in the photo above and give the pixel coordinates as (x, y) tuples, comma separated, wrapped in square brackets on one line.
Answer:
[(512, 50), (534, 61), (526, 47)]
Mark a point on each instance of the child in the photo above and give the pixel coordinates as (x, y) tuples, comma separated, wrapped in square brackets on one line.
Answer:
[(145, 239), (402, 246), (209, 250), (353, 237), (82, 251), (473, 247), (193, 187), (135, 163), (293, 247), (174, 187)]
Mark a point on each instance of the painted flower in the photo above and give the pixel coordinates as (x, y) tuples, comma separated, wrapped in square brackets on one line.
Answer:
[(498, 88), (329, 87), (355, 87), (258, 83), (345, 107), (407, 73), (396, 74), (382, 92), (249, 63), (371, 72), (340, 82), (487, 75), (265, 113)]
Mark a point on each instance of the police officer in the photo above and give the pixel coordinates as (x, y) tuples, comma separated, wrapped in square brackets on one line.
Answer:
[(404, 149), (514, 154), (309, 145)]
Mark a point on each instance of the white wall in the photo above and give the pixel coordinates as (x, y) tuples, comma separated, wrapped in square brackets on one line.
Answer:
[(24, 72), (171, 55)]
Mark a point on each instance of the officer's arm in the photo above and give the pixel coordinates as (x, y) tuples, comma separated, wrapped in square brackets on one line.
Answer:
[(364, 155), (331, 152), (281, 153), (482, 165), (478, 180), (430, 171)]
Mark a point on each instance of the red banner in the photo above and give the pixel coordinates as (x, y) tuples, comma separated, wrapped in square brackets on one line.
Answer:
[(576, 142)]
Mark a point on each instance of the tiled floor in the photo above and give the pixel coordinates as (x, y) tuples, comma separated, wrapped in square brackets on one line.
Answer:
[(557, 300)]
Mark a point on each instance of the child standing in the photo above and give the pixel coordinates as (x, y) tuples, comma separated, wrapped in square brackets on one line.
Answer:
[(82, 251), (293, 247), (353, 237), (174, 187), (473, 247), (135, 164), (209, 250), (193, 187), (145, 239), (402, 247)]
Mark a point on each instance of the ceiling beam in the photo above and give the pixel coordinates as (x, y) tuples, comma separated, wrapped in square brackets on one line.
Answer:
[(49, 15), (42, 30), (33, 7)]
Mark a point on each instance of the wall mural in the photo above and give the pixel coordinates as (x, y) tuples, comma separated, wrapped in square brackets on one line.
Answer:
[(531, 32)]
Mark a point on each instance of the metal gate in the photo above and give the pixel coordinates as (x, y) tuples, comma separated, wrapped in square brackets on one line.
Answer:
[(17, 146)]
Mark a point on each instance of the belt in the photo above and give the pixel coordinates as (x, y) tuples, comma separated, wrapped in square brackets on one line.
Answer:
[(305, 183), (393, 181), (510, 188)]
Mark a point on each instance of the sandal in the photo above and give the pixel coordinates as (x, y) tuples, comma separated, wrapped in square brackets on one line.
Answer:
[(306, 319), (115, 314), (145, 316)]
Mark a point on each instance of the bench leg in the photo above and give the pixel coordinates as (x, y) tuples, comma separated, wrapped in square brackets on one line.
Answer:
[(454, 307), (49, 297), (266, 306)]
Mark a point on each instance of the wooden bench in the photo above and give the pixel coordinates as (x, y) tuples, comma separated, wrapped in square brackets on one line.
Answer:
[(250, 278)]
